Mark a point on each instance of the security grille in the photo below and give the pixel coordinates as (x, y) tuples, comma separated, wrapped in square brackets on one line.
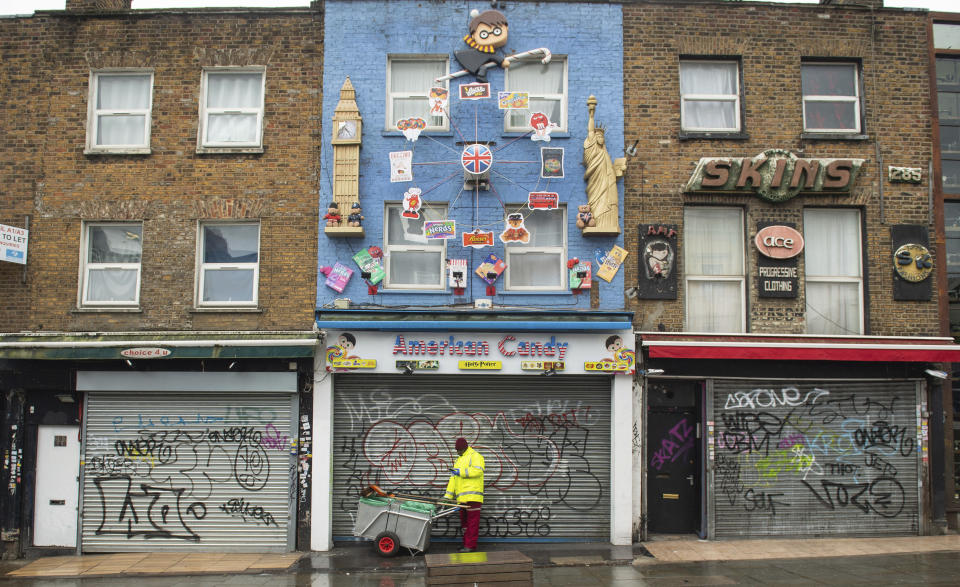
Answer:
[(545, 441), (815, 459), (188, 471)]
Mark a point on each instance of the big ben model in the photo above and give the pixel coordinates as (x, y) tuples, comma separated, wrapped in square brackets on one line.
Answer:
[(347, 130)]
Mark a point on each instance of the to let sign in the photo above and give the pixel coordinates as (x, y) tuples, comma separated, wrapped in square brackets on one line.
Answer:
[(13, 244)]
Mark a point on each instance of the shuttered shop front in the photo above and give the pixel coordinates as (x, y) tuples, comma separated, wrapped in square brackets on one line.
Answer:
[(829, 458), (193, 470), (545, 441)]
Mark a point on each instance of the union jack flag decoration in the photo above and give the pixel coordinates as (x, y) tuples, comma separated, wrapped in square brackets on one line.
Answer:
[(476, 158)]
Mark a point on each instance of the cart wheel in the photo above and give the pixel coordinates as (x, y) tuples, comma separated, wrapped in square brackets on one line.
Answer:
[(387, 544)]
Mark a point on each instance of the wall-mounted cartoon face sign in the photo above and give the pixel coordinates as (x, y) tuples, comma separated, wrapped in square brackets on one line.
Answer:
[(489, 29)]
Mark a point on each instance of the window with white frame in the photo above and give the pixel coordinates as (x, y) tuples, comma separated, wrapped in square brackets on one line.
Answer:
[(231, 108), (831, 97), (412, 260), (710, 96), (833, 270), (541, 262), (229, 264), (409, 79), (119, 111), (713, 258), (547, 86), (110, 269)]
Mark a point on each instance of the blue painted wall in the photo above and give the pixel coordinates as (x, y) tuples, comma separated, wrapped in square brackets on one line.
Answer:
[(358, 38)]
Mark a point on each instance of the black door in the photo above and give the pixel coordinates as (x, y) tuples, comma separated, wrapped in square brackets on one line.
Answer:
[(673, 449)]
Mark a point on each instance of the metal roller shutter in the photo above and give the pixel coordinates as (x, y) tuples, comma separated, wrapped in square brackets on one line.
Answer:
[(815, 459), (188, 471), (545, 441)]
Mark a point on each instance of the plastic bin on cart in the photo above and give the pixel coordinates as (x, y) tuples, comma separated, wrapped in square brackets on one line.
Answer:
[(392, 523)]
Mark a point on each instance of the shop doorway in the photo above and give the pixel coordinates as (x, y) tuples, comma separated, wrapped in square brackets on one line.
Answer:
[(673, 457), (57, 492)]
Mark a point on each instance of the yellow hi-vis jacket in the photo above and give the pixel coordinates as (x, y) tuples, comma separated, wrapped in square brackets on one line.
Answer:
[(468, 486)]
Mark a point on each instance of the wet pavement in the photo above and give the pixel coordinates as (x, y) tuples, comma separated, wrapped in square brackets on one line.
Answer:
[(869, 562)]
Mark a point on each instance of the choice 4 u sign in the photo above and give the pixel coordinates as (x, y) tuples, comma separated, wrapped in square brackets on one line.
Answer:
[(13, 244)]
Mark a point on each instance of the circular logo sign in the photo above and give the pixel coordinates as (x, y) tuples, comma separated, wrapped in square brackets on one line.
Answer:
[(779, 242), (476, 158), (913, 262)]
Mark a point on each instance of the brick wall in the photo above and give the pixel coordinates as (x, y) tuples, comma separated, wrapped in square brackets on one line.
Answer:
[(173, 187), (771, 40)]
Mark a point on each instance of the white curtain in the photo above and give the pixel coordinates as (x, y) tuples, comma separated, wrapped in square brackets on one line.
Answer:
[(709, 92), (418, 268), (410, 83), (713, 248), (112, 285), (535, 269), (832, 261), (233, 91), (545, 85), (126, 93), (539, 262), (228, 285)]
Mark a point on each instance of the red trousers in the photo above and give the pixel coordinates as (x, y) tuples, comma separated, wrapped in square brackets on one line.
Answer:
[(470, 523)]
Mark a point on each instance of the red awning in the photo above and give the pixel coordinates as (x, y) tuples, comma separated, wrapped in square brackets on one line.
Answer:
[(661, 345)]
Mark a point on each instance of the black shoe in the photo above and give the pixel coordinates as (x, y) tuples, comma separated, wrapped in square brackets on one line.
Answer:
[(465, 549)]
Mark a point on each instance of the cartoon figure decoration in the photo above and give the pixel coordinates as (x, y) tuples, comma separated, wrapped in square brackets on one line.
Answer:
[(515, 231), (541, 127), (411, 127), (624, 358), (601, 175), (438, 98), (487, 33), (411, 203), (585, 217), (355, 218), (333, 214), (658, 259)]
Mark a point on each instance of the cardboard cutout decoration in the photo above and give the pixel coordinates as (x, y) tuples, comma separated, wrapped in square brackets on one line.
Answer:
[(439, 229), (368, 264), (513, 100), (438, 98), (411, 128), (474, 91), (551, 162), (401, 166), (478, 238), (457, 275), (337, 276), (581, 274), (541, 127), (515, 231), (491, 268), (611, 264), (411, 203)]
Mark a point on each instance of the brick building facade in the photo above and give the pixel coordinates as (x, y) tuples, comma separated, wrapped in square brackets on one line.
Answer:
[(168, 164)]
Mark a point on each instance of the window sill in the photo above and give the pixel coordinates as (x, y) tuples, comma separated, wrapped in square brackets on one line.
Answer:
[(426, 133), (538, 292), (556, 134), (227, 310), (119, 151), (434, 292), (228, 150), (840, 136), (737, 136), (107, 310)]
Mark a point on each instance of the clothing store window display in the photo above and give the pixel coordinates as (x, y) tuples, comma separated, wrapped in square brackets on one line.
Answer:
[(466, 487)]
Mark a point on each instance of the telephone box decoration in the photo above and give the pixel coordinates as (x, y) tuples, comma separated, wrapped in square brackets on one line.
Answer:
[(657, 275)]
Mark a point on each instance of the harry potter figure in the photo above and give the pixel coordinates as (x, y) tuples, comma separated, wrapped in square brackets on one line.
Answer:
[(488, 32)]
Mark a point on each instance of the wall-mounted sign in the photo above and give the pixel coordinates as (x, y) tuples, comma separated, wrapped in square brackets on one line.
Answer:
[(904, 174), (13, 244), (513, 100), (474, 91), (418, 365), (439, 229), (401, 166), (778, 275), (779, 241), (543, 200), (911, 262), (541, 365), (480, 365), (611, 263), (657, 275), (775, 175), (353, 363), (145, 353)]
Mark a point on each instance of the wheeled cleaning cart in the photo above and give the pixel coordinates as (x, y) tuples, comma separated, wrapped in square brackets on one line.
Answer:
[(392, 522)]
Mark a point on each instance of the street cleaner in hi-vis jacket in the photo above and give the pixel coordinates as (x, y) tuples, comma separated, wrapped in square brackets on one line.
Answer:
[(466, 486)]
